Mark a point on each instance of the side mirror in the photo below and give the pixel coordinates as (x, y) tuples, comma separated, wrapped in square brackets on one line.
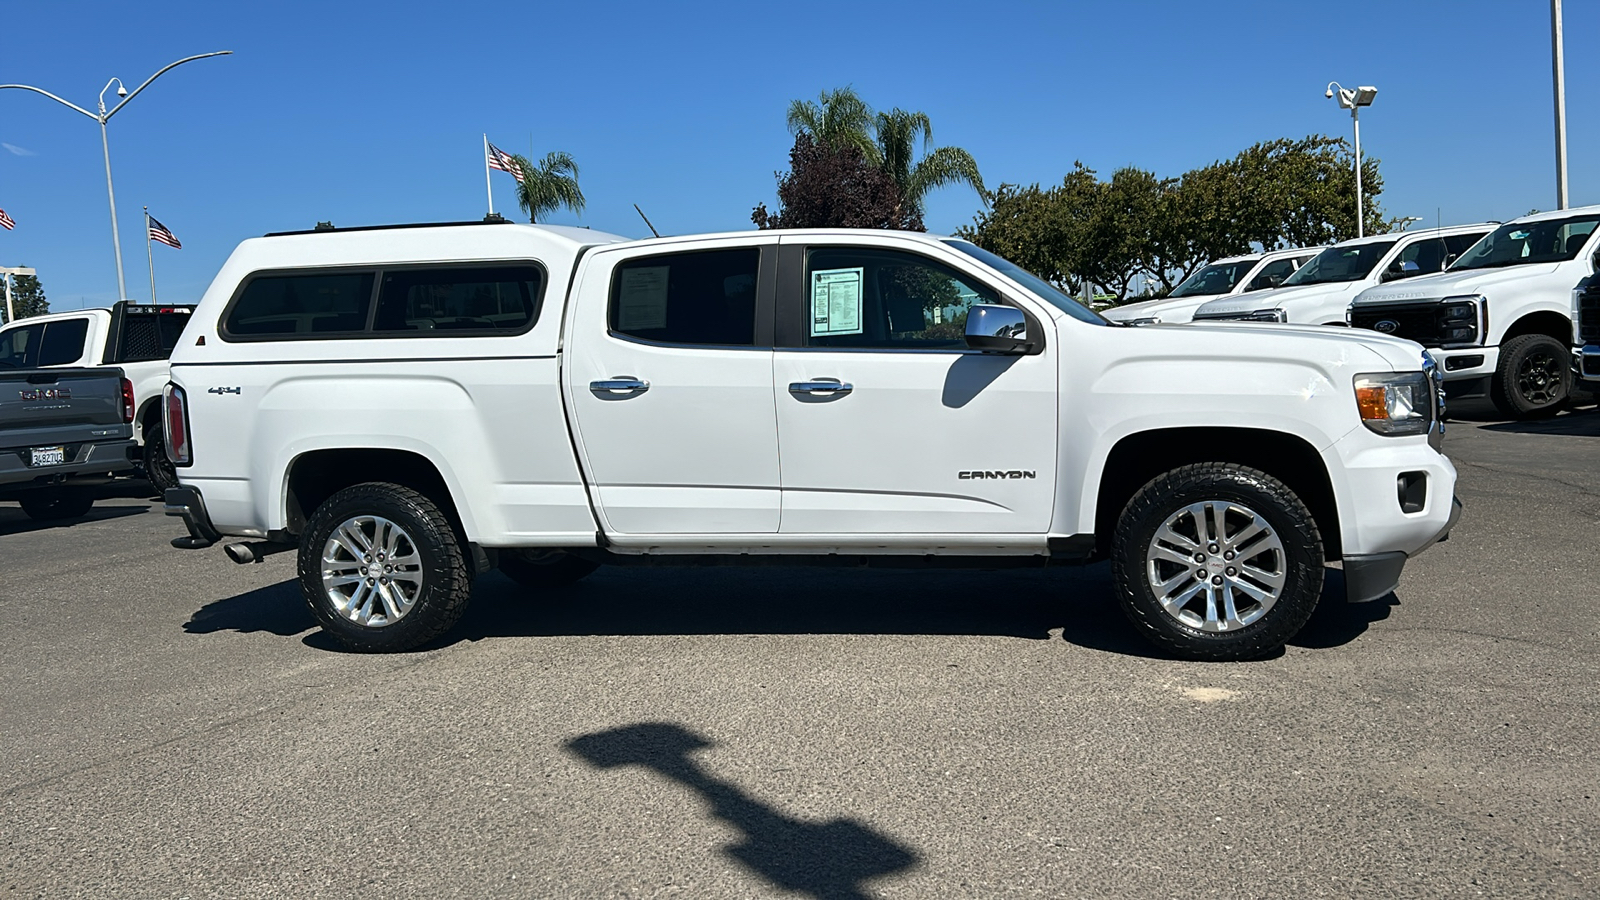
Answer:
[(1450, 260), (998, 329), (1401, 269)]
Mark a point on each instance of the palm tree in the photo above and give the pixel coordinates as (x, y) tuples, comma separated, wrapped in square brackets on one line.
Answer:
[(548, 186), (839, 118), (897, 132)]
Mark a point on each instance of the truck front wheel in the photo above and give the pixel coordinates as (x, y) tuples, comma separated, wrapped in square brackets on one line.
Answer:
[(382, 568), (1216, 561), (1534, 377)]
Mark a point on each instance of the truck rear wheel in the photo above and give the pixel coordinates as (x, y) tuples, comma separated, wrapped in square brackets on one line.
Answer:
[(56, 503), (158, 469), (1217, 561), (1534, 377), (538, 569), (382, 568)]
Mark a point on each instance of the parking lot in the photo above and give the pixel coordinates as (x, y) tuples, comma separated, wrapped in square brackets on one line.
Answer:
[(175, 726)]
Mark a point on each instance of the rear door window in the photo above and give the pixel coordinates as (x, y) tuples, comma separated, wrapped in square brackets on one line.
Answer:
[(463, 300), (63, 342), (701, 297)]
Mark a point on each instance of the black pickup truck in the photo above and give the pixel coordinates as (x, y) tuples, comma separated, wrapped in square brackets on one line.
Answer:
[(62, 431)]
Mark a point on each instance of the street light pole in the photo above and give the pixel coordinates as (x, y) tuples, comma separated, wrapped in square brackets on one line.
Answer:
[(1353, 101), (103, 117), (1557, 58)]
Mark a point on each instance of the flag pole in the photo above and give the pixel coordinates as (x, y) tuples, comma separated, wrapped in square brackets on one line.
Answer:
[(149, 255), (487, 185)]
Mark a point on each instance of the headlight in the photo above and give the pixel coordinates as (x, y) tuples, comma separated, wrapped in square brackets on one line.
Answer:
[(1395, 403), (1458, 320), (1267, 315)]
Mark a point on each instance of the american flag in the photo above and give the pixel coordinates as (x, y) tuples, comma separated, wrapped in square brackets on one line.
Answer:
[(160, 232), (5, 221), (499, 159)]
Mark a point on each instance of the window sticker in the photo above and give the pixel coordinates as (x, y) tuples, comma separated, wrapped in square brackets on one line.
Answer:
[(643, 298), (836, 301)]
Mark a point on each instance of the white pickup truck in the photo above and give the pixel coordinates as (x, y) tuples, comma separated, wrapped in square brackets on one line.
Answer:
[(134, 337), (408, 406), (1320, 292), (1225, 277), (1501, 320)]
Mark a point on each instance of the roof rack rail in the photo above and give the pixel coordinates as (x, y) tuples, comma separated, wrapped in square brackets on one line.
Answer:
[(328, 227)]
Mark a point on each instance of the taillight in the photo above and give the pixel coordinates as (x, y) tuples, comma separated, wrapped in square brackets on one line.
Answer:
[(127, 401), (177, 430)]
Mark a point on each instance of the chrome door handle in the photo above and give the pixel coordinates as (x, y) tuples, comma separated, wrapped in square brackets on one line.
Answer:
[(816, 386), (622, 384)]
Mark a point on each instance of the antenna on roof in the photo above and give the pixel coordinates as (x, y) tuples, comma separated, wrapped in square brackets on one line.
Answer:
[(646, 220)]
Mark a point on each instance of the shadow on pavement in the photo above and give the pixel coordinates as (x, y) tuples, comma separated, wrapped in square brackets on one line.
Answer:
[(828, 860), (1582, 421), (14, 521), (276, 609), (1019, 603)]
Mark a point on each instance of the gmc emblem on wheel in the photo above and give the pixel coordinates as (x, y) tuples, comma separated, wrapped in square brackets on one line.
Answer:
[(1011, 473), (46, 394), (1387, 326)]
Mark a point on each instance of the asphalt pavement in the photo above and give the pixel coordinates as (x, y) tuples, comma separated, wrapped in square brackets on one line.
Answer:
[(174, 725)]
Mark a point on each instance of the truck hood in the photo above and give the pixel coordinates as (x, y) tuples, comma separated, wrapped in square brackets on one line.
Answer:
[(1167, 309), (1324, 344), (1451, 284), (1278, 297)]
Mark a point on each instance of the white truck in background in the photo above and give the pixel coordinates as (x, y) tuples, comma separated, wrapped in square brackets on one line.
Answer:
[(134, 337), (1320, 292), (1224, 277), (405, 407), (1504, 320)]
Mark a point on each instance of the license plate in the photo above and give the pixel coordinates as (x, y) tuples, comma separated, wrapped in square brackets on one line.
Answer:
[(49, 456)]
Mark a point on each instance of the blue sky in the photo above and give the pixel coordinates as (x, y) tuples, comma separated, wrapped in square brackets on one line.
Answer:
[(365, 113)]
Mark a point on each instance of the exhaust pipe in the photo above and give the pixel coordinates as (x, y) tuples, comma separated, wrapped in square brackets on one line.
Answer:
[(247, 552)]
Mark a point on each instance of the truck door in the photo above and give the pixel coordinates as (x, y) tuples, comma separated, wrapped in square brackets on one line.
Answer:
[(668, 368), (888, 423)]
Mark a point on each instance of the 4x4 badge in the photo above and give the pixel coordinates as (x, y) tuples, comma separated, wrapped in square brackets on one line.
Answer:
[(224, 390)]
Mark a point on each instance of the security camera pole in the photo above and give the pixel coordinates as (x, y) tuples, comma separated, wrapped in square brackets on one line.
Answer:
[(103, 117), (1353, 101)]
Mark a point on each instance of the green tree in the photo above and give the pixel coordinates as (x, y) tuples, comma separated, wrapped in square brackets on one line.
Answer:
[(897, 133), (548, 186), (27, 297), (838, 118), (835, 187)]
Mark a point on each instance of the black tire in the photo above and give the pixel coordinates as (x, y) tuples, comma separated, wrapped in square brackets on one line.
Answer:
[(446, 579), (1534, 378), (56, 503), (1168, 495), (158, 469), (542, 569)]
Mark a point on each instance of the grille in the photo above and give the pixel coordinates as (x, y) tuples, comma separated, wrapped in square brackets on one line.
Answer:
[(1589, 313), (1416, 322)]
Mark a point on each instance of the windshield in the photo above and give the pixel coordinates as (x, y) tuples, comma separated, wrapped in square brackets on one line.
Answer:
[(1044, 290), (1351, 263), (1552, 240), (1218, 278)]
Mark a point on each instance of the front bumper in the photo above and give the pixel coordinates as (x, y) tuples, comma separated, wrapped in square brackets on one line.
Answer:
[(1369, 576), (187, 503), (1589, 364)]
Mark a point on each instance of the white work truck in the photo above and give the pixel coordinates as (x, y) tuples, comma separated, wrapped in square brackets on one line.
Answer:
[(134, 337), (1226, 277), (1320, 292), (1501, 320), (409, 406)]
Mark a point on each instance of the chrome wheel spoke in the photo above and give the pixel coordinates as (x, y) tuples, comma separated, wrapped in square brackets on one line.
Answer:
[(372, 572), (1216, 566)]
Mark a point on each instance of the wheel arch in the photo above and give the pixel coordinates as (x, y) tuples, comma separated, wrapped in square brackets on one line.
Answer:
[(1139, 457), (149, 415), (315, 475), (1544, 321)]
